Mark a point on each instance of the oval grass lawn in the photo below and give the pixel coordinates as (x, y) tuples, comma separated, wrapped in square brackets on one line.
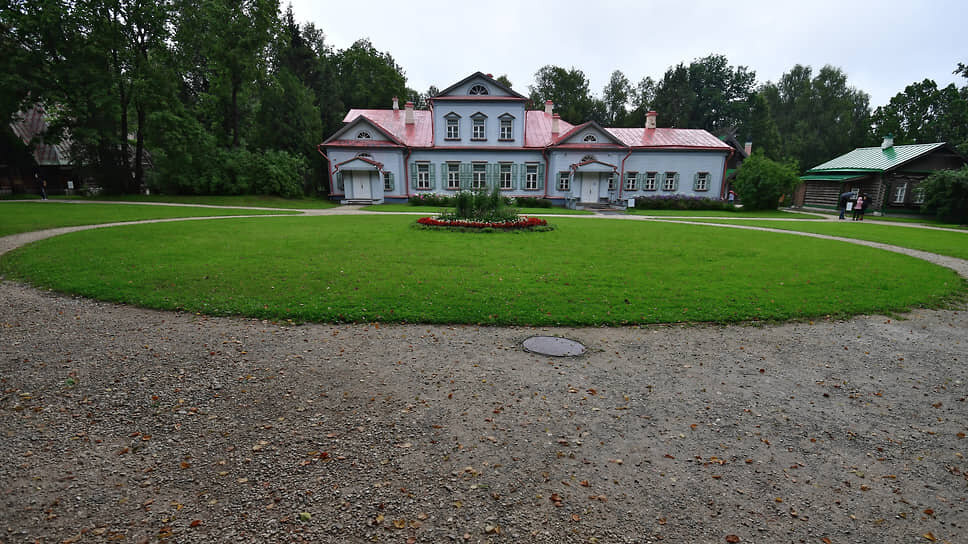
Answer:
[(380, 268)]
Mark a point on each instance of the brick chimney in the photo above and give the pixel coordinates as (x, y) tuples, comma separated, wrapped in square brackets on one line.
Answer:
[(408, 113), (555, 124), (549, 105), (650, 119), (888, 141), (748, 148), (396, 104)]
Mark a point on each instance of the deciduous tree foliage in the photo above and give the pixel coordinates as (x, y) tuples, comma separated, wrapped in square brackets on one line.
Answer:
[(761, 182), (923, 113), (946, 194), (569, 91)]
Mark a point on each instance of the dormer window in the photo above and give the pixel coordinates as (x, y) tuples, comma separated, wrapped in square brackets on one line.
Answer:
[(453, 126), (507, 127), (590, 138), (479, 127), (363, 135), (478, 90)]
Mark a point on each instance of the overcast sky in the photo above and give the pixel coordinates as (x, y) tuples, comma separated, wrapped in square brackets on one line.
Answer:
[(881, 46)]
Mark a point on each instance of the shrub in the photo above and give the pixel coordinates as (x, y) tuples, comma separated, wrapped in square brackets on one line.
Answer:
[(432, 199), (532, 202), (946, 195), (481, 206), (681, 202), (761, 182)]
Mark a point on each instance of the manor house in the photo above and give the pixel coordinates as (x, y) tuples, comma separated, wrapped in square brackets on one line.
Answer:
[(477, 134)]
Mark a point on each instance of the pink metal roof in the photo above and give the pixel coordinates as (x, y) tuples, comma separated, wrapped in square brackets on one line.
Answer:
[(537, 130), (419, 134), (671, 138), (33, 123)]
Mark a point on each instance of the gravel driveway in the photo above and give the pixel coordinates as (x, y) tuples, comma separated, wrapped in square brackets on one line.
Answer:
[(130, 425)]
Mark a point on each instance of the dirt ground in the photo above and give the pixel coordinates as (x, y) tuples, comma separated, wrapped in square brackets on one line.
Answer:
[(130, 425)]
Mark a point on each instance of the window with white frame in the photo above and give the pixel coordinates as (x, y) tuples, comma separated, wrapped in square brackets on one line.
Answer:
[(387, 181), (564, 181), (649, 183), (479, 180), (611, 182), (590, 138), (507, 125), (702, 182), (899, 192), (453, 128), (918, 194), (363, 135), (669, 182), (453, 176), (479, 132), (423, 176), (630, 184), (506, 177), (531, 177)]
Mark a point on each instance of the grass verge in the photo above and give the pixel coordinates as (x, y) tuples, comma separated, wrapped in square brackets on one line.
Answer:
[(28, 216), (259, 201), (431, 210), (378, 268), (738, 214), (952, 244)]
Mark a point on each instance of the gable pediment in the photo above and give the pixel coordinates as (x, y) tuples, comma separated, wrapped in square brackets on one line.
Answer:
[(478, 85), (363, 130), (590, 133)]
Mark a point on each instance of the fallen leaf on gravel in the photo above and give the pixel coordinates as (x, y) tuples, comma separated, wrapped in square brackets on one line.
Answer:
[(662, 521), (584, 483), (400, 523), (422, 516), (575, 517), (929, 512), (825, 540), (732, 539), (929, 536), (616, 461), (492, 529), (195, 523), (305, 516)]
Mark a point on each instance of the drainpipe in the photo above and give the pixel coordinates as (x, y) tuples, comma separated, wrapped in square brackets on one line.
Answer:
[(406, 173), (547, 168), (722, 183), (329, 166), (621, 177)]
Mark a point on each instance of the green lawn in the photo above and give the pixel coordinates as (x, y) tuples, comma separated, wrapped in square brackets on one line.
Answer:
[(261, 201), (954, 244), (27, 216), (738, 214), (380, 268), (431, 210)]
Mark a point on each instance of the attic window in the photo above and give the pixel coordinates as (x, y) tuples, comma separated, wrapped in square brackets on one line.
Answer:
[(365, 155), (478, 90), (588, 158), (363, 135), (590, 138)]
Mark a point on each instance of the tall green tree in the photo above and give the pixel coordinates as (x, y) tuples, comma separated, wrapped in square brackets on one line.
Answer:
[(616, 96), (818, 116), (708, 94), (369, 78), (761, 128), (923, 113), (568, 89)]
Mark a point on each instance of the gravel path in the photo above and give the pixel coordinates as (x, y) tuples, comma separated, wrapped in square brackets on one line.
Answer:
[(123, 422)]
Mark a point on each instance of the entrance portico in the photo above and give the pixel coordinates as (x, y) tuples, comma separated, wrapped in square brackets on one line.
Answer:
[(359, 175), (591, 180)]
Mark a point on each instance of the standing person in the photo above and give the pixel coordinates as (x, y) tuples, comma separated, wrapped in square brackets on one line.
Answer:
[(731, 197), (865, 204), (844, 199), (43, 187), (858, 207)]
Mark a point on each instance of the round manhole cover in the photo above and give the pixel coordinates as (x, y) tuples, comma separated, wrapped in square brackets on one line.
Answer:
[(554, 346)]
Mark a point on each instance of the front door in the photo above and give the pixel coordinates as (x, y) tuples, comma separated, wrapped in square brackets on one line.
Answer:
[(361, 185), (589, 188)]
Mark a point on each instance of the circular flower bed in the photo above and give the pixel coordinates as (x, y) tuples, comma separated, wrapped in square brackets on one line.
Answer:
[(520, 223)]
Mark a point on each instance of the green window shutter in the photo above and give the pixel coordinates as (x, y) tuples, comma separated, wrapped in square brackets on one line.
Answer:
[(413, 175), (432, 175), (675, 184), (541, 179), (339, 181), (492, 174), (466, 174), (517, 172), (640, 181), (443, 175), (695, 181)]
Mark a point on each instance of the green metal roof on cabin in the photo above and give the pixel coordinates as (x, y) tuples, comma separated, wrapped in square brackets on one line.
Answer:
[(875, 159), (832, 177)]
